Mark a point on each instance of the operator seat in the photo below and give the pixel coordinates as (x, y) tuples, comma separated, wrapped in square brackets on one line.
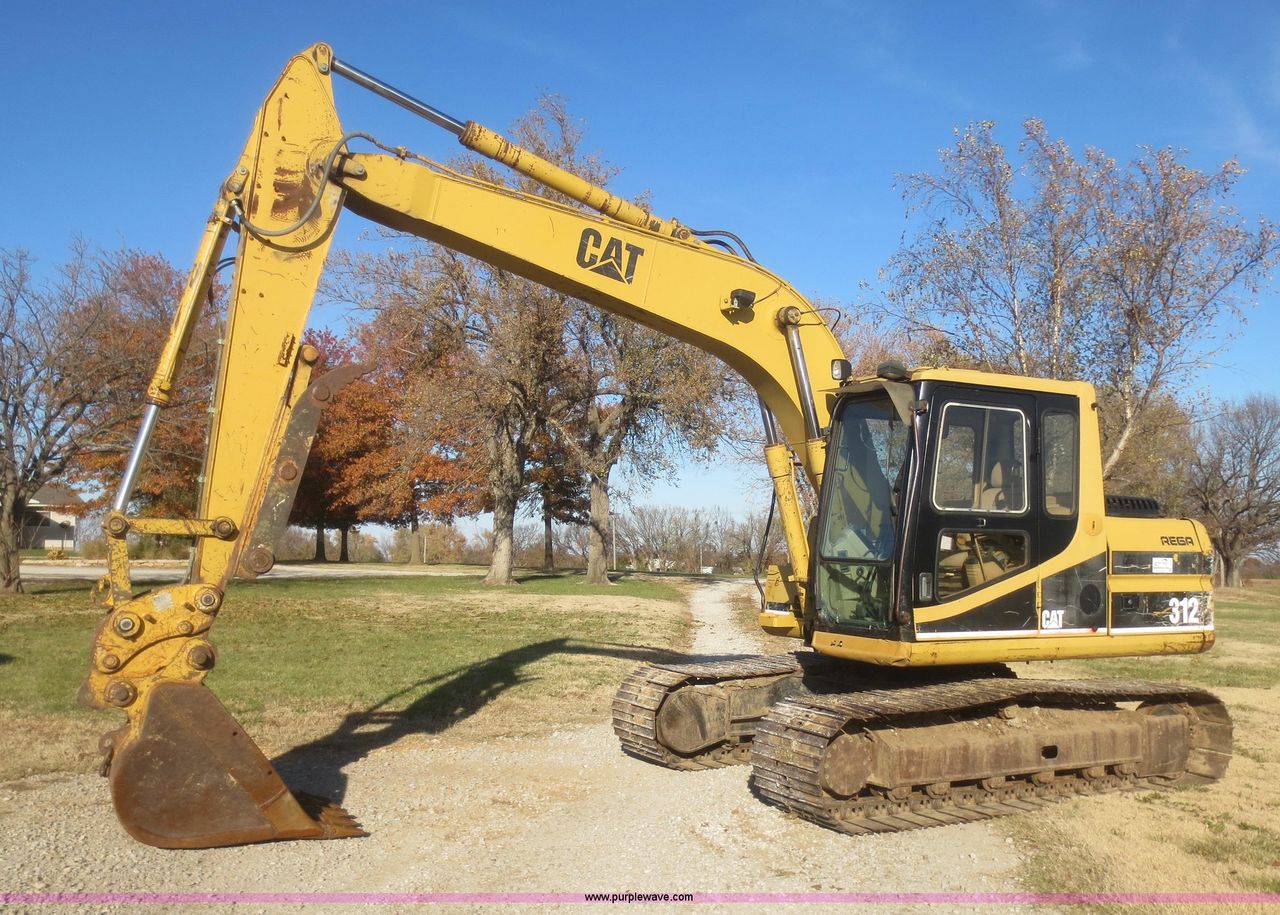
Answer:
[(994, 495)]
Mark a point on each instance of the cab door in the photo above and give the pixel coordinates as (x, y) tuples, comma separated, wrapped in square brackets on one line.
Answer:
[(977, 523)]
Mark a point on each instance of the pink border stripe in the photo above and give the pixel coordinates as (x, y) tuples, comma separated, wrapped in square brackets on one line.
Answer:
[(570, 898)]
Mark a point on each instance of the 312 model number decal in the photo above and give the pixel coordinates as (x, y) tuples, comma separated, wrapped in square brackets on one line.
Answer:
[(1184, 611)]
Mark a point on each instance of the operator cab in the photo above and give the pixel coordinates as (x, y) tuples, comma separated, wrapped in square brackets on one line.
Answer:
[(936, 493)]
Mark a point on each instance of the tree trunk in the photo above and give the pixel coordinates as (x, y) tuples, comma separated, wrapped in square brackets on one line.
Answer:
[(344, 554), (1231, 571), (597, 529), (548, 543), (504, 521), (417, 548), (319, 556), (506, 479), (12, 509)]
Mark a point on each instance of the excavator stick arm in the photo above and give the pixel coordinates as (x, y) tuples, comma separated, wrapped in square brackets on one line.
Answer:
[(183, 774)]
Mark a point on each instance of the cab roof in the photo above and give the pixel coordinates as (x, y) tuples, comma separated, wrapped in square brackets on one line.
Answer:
[(1079, 389)]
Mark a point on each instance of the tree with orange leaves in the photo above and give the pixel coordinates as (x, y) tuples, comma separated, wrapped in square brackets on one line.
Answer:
[(344, 432), (148, 287), (402, 477), (363, 465), (498, 363), (75, 354)]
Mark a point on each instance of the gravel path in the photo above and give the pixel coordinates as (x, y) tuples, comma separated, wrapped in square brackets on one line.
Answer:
[(560, 813), (716, 629)]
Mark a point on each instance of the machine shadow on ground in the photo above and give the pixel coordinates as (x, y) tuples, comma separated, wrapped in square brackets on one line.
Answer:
[(318, 766)]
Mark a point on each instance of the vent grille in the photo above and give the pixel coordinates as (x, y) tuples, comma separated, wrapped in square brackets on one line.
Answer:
[(1133, 507)]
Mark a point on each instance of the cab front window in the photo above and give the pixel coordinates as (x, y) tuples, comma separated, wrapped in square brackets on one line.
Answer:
[(860, 514)]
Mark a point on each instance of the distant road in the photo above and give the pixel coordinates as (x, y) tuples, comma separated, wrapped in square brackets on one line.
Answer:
[(91, 571)]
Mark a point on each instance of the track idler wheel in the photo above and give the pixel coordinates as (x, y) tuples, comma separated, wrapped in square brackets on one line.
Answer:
[(184, 774)]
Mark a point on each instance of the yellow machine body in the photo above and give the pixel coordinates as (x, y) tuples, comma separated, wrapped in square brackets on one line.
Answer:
[(283, 197)]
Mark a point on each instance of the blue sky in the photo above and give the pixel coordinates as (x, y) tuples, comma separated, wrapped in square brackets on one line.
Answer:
[(786, 123)]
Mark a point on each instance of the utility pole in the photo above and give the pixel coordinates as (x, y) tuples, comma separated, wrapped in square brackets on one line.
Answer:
[(613, 534)]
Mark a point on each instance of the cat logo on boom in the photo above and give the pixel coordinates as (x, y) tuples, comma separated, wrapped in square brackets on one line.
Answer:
[(612, 258)]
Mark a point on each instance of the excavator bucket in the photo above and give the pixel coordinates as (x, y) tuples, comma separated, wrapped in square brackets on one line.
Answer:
[(184, 774)]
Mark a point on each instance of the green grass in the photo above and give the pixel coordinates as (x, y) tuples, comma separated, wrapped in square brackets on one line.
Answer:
[(1209, 671), (300, 643), (1241, 613), (1236, 625), (44, 646), (427, 651), (549, 583)]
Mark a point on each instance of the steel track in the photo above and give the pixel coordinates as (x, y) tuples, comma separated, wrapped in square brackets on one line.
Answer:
[(636, 704), (789, 745)]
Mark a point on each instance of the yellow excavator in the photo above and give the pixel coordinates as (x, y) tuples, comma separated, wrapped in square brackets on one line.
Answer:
[(961, 522)]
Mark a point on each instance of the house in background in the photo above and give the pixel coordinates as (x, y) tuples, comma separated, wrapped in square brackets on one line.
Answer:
[(51, 519)]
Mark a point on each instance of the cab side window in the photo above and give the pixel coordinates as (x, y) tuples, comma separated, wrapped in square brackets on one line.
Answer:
[(982, 461), (1059, 444)]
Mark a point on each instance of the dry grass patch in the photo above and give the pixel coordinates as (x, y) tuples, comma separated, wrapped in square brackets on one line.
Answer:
[(746, 608), (49, 743)]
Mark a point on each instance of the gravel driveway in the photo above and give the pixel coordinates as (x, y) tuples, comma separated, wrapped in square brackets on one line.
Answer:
[(561, 813)]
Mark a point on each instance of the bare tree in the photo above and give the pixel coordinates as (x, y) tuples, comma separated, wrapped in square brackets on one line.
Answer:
[(1157, 465), (677, 538), (643, 395), (70, 378), (751, 531), (571, 541), (657, 535), (1235, 481), (1068, 267), (504, 361), (631, 390), (479, 349)]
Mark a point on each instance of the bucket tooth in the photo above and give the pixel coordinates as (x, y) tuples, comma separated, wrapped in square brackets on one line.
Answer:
[(185, 775)]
